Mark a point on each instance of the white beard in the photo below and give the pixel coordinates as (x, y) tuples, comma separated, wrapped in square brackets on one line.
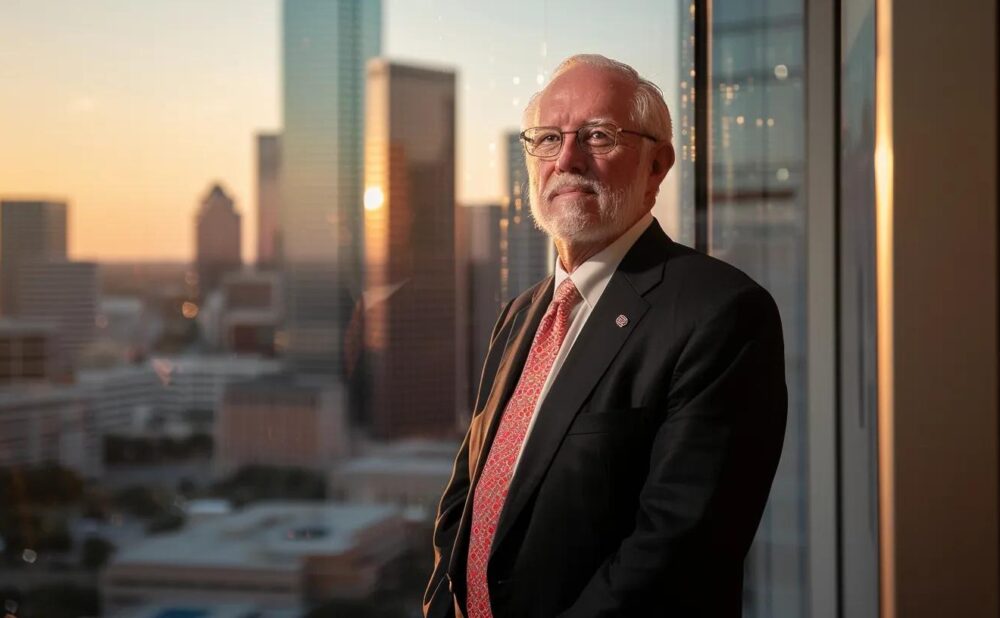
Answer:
[(572, 220)]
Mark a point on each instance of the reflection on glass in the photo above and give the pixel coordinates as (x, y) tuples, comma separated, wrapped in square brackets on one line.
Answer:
[(859, 395), (757, 221), (230, 437)]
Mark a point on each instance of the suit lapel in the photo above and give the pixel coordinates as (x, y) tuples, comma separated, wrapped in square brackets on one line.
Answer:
[(595, 347), (522, 332), (519, 343)]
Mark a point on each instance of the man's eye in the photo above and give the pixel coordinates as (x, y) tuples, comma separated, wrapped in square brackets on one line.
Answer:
[(548, 138), (598, 136)]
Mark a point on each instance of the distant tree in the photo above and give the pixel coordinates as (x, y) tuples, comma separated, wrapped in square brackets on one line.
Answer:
[(167, 522), (95, 553), (54, 535), (344, 609), (48, 485), (200, 444), (186, 487), (60, 601), (255, 483), (96, 504), (30, 529), (133, 450), (142, 502), (124, 450)]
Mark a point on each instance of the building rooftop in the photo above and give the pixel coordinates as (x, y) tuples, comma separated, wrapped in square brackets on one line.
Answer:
[(216, 362), (283, 383), (397, 466), (95, 375), (39, 394), (18, 326), (207, 610), (269, 535), (414, 447)]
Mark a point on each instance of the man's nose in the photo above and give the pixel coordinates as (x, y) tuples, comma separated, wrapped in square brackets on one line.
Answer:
[(572, 158)]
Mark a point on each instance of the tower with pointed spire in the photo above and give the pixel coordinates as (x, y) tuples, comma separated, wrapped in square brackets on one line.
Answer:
[(218, 236)]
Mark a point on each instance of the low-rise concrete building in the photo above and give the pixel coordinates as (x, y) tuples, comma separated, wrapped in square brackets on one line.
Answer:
[(48, 424), (410, 474), (274, 555), (284, 420)]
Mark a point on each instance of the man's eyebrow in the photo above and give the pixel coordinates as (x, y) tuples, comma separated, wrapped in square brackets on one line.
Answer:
[(593, 122)]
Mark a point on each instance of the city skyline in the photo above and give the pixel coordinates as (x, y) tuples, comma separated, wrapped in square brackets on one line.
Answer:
[(155, 102)]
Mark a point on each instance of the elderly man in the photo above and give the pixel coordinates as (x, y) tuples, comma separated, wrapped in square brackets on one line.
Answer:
[(632, 406)]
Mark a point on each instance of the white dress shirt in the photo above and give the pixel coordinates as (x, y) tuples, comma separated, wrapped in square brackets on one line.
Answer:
[(590, 279)]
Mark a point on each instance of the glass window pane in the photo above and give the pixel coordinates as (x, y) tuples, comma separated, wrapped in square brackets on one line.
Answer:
[(274, 237), (757, 221), (858, 370)]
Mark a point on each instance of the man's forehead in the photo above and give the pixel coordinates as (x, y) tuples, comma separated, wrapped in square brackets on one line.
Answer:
[(587, 93)]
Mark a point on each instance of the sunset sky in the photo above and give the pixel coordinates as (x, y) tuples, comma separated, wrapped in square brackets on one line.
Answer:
[(130, 109)]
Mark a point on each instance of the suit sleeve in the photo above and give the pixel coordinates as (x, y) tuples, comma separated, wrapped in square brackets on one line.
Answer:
[(712, 462), (438, 601)]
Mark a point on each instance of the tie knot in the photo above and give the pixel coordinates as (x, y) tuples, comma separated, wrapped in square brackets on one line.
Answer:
[(567, 294)]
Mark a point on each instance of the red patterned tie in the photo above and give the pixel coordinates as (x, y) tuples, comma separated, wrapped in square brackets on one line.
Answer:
[(491, 491)]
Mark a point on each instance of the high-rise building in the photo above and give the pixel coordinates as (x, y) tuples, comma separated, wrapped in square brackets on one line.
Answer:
[(410, 332), (527, 253), (63, 294), (217, 230), (684, 137), (268, 199), (325, 46), (26, 351), (251, 312), (480, 298), (29, 231)]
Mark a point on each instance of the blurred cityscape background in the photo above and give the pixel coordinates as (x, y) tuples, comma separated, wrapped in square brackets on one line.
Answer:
[(251, 253)]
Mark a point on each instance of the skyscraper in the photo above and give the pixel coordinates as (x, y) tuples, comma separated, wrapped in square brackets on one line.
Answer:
[(63, 294), (409, 249), (29, 231), (268, 199), (217, 230), (527, 252), (325, 46), (478, 230), (27, 351)]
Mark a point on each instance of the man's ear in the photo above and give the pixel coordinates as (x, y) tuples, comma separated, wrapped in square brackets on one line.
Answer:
[(663, 160)]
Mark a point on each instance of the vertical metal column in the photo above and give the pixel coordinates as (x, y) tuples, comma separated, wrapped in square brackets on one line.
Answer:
[(702, 121)]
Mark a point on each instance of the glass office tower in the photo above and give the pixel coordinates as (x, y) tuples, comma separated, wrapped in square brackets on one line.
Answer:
[(324, 49), (409, 221)]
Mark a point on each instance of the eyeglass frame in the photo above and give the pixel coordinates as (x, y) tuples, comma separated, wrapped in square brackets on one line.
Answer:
[(618, 131)]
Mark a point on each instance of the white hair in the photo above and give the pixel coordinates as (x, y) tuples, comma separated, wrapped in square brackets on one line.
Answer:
[(649, 110)]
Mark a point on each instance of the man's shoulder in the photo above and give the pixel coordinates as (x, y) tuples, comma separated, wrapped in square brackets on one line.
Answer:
[(702, 283)]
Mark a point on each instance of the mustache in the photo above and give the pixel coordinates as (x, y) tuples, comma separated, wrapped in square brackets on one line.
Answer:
[(572, 182)]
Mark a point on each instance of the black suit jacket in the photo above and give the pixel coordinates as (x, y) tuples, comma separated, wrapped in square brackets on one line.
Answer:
[(643, 480)]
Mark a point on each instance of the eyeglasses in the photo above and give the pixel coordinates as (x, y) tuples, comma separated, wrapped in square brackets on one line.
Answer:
[(600, 138)]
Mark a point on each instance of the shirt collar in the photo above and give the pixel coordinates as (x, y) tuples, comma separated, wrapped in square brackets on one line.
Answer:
[(591, 277)]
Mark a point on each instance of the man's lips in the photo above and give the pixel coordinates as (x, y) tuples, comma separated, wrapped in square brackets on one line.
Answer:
[(573, 191)]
